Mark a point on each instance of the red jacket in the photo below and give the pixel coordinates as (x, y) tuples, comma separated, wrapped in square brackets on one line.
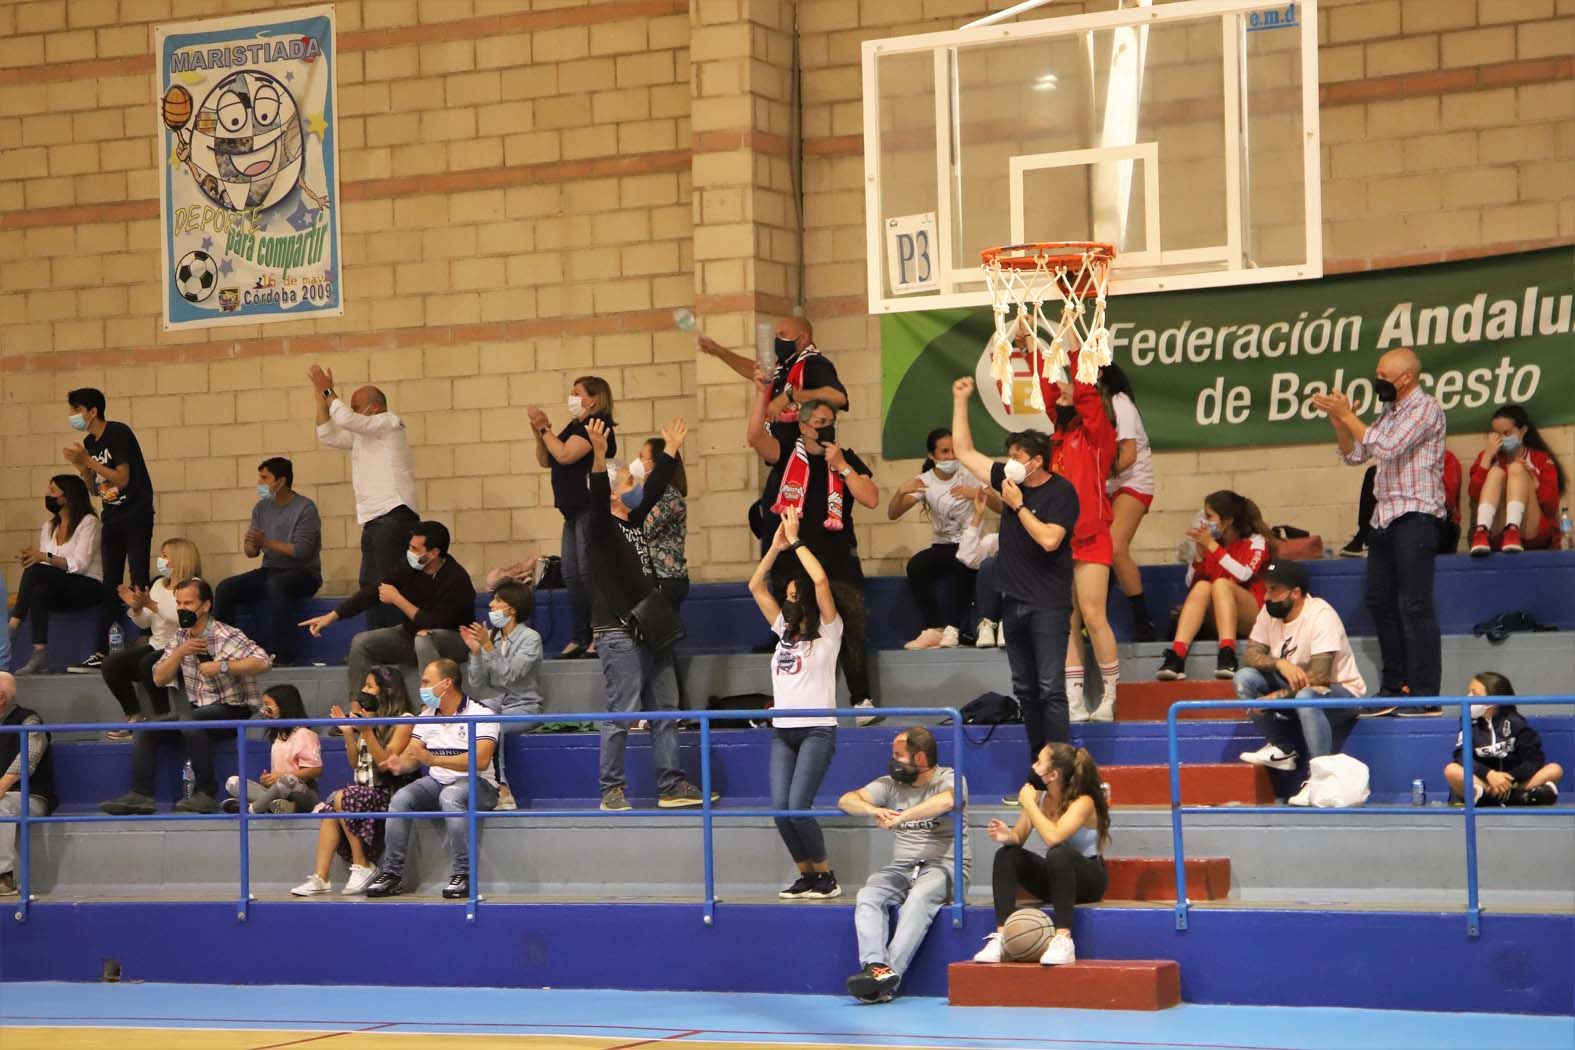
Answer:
[(1540, 464), (1083, 452), (1241, 561)]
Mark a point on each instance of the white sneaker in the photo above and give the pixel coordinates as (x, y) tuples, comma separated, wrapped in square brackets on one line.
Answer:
[(949, 638), (505, 800), (1060, 953), (994, 950), (312, 887), (984, 637), (1105, 712), (360, 878), (929, 638), (1302, 797), (869, 719), (1076, 710), (1270, 756), (1000, 635)]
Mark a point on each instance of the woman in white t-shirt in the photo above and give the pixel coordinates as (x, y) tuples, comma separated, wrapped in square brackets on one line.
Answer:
[(803, 677), (154, 611), (64, 572), (1131, 490), (946, 491)]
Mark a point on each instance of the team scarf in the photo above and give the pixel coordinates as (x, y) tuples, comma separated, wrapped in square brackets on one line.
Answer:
[(795, 485), (790, 377)]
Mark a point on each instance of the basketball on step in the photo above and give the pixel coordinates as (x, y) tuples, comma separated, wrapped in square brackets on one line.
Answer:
[(177, 107), (1026, 935)]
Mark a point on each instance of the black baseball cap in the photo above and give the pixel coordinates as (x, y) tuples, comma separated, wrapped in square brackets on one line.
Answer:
[(1288, 574)]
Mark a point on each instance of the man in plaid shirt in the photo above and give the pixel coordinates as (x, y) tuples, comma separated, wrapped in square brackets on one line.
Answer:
[(220, 666), (1407, 440)]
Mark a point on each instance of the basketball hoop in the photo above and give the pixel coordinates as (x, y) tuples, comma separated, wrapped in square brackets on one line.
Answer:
[(1021, 277)]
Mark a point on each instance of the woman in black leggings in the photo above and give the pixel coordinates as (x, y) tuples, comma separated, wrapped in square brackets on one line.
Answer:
[(1073, 819)]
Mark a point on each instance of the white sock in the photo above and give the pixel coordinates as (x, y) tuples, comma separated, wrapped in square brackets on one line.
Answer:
[(1074, 686), (1109, 678), (1514, 513), (1486, 512)]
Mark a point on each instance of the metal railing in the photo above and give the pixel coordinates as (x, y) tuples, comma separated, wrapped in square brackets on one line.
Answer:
[(1469, 809), (706, 811)]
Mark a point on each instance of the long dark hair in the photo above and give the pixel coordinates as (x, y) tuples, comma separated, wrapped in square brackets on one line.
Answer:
[(1080, 776), (394, 702), (1493, 683), (932, 439), (1533, 437), (1245, 517), (808, 602), (75, 502), (680, 480), (1113, 381), (288, 697)]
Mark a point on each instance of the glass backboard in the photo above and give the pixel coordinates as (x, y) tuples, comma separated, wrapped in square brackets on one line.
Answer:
[(1186, 134)]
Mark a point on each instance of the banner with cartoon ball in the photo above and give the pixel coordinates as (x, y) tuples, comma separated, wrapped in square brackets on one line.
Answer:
[(249, 199)]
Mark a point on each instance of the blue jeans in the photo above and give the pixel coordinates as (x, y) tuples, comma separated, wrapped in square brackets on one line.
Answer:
[(577, 575), (1400, 560), (1312, 729), (987, 596), (423, 795), (1036, 653), (799, 759), (637, 679)]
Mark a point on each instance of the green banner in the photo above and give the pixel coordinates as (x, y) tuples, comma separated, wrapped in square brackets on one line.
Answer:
[(1236, 366)]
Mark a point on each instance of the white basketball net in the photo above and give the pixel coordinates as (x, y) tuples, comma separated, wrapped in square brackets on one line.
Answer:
[(1077, 274)]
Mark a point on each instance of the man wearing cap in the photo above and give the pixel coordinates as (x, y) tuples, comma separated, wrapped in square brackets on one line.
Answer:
[(1297, 648)]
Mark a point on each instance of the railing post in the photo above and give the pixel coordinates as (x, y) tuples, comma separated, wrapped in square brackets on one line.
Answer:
[(470, 817), (705, 816), (23, 876), (1468, 795), (243, 907), (1178, 852), (958, 828)]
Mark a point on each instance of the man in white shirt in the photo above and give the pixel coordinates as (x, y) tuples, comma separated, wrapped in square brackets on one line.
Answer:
[(1298, 648), (443, 748), (381, 474)]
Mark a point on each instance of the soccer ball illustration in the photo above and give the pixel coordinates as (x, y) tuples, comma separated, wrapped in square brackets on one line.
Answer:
[(196, 275)]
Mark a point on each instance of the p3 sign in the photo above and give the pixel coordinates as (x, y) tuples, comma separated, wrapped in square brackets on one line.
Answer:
[(911, 253)]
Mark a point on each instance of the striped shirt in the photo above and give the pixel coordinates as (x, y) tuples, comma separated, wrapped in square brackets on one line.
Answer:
[(1408, 443)]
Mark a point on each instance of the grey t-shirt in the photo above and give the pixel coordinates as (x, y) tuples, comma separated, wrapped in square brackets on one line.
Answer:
[(923, 840), (296, 522)]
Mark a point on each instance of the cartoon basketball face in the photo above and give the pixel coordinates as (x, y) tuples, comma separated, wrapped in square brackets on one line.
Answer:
[(247, 141)]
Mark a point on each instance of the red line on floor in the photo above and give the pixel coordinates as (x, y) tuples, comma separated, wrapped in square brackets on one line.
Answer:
[(663, 1039), (325, 1035)]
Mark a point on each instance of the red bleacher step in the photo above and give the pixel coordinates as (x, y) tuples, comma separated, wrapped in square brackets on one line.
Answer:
[(1150, 701), (1127, 984), (1154, 879), (1201, 785)]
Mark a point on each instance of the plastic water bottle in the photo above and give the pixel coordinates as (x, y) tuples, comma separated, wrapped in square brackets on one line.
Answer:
[(188, 781), (1418, 793), (115, 637), (1567, 531)]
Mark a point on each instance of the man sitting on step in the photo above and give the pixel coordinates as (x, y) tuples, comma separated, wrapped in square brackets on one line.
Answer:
[(1298, 648), (916, 800)]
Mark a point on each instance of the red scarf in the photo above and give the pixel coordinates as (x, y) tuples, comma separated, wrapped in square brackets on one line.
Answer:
[(790, 376), (795, 484)]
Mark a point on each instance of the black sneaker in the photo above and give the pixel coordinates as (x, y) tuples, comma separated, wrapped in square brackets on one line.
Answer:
[(825, 886), (387, 884), (92, 665), (1172, 668), (1225, 664), (876, 983), (801, 888), (129, 804), (1541, 795), (1143, 631), (230, 805), (458, 887), (198, 803)]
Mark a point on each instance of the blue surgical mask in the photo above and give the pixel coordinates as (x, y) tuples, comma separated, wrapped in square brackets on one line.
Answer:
[(264, 492), (413, 559), (78, 422), (945, 467), (1510, 445), (1214, 528), (497, 617), (429, 696), (164, 566), (632, 498)]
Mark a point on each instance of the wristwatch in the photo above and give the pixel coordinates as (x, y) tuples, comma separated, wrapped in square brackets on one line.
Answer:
[(224, 667), (845, 471), (328, 394)]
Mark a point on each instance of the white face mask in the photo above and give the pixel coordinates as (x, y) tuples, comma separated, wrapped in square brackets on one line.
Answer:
[(946, 468), (164, 566), (1016, 471), (637, 470), (576, 405), (1479, 711)]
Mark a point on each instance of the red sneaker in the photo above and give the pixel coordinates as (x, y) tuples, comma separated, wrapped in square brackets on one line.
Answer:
[(1481, 545), (1510, 543)]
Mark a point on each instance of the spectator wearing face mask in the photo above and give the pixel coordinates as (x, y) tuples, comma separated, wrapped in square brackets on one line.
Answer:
[(503, 673), (287, 532), (434, 598), (1297, 649), (295, 760), (64, 572), (1508, 767), (979, 550), (154, 611), (1231, 545), (1516, 484), (946, 492), (567, 457), (381, 473), (666, 521)]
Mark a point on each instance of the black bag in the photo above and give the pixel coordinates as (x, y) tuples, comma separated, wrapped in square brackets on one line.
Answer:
[(1503, 625), (990, 709), (550, 573), (739, 702), (654, 622)]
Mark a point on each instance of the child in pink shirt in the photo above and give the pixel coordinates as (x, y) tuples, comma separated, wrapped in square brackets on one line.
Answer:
[(295, 761)]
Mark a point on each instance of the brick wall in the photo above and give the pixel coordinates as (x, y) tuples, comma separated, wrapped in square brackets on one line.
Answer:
[(529, 189)]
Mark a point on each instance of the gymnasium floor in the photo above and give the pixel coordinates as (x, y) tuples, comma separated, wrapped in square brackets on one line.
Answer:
[(227, 1017)]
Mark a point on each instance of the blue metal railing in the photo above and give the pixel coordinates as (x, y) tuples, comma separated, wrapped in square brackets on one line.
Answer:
[(1177, 810), (707, 812)]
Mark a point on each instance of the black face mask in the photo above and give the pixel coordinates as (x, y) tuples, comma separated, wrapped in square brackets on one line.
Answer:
[(1385, 390), (793, 616), (368, 701), (52, 504), (186, 618), (1279, 609), (826, 435), (1035, 781), (902, 773), (786, 348), (1065, 415)]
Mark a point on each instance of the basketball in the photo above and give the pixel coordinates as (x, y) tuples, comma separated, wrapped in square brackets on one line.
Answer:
[(1026, 935), (177, 107)]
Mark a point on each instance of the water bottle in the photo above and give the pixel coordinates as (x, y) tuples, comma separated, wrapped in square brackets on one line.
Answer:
[(188, 781), (1418, 793), (115, 637), (1567, 530)]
